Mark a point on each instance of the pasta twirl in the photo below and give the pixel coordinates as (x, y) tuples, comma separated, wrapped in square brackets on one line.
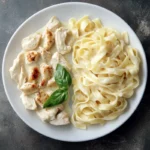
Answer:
[(105, 70)]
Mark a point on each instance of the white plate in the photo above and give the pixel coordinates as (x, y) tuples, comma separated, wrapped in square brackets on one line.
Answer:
[(64, 12)]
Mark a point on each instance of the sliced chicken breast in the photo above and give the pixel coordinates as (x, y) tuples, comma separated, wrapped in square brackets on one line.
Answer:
[(31, 56), (51, 82), (31, 42), (16, 67), (61, 119), (34, 73), (46, 73), (41, 97), (29, 88), (33, 70), (45, 55), (28, 102), (22, 77), (47, 39), (49, 114), (60, 40), (58, 58), (53, 24)]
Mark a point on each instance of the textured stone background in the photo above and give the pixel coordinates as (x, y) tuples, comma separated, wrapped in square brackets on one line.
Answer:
[(133, 135)]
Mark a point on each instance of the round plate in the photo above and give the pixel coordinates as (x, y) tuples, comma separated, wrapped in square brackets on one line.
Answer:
[(64, 12)]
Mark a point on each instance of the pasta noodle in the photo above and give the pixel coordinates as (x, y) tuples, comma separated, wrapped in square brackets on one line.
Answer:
[(105, 70)]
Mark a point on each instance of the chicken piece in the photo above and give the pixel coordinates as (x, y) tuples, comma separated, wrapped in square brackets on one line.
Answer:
[(58, 58), (47, 39), (22, 77), (51, 82), (46, 73), (34, 73), (61, 119), (29, 88), (53, 24), (49, 114), (41, 98), (31, 42), (31, 56), (45, 55), (28, 102), (60, 39), (16, 67)]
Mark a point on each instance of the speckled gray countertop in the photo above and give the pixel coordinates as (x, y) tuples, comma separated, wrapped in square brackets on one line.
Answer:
[(133, 135)]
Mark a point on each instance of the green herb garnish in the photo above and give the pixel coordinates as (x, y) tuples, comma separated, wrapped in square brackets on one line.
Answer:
[(57, 97), (63, 80), (62, 76)]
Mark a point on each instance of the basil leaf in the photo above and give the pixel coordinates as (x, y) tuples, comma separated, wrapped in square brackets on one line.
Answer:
[(57, 97), (62, 76)]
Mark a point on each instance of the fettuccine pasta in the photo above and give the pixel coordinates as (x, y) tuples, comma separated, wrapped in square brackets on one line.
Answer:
[(105, 70)]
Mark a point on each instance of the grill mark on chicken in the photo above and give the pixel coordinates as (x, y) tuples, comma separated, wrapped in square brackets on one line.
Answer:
[(35, 74), (49, 69), (48, 40), (43, 83), (41, 98), (49, 34), (31, 56)]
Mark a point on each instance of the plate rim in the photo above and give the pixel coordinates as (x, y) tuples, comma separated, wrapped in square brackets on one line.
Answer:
[(37, 13)]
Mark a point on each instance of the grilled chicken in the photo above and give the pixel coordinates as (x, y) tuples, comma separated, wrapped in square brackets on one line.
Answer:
[(16, 67), (58, 58), (61, 119), (22, 77), (33, 70), (53, 24), (49, 114), (32, 56), (60, 38), (46, 73), (47, 39), (31, 42), (45, 55), (29, 88), (41, 97), (34, 73), (51, 82), (28, 102)]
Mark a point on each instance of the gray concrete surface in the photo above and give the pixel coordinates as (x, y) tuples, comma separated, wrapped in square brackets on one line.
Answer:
[(133, 135)]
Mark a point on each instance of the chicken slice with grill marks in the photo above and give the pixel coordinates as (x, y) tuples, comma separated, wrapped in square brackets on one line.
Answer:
[(31, 56), (47, 39), (45, 55), (54, 115), (41, 97), (46, 73), (60, 40), (29, 88)]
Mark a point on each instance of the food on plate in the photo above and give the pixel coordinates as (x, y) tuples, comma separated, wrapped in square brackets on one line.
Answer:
[(104, 68), (60, 38), (33, 71)]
